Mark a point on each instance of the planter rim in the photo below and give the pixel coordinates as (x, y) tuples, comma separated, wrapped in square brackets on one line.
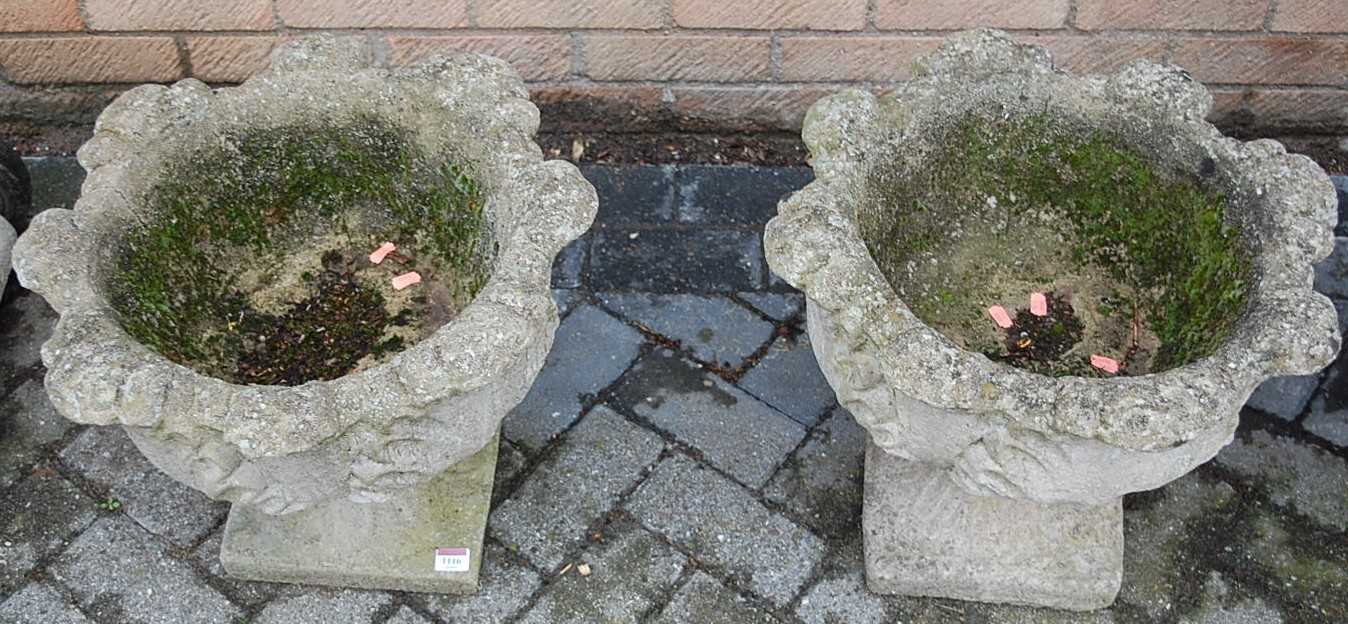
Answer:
[(815, 245), (99, 374)]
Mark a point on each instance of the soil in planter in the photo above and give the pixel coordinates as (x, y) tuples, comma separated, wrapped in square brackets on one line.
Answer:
[(256, 269), (1036, 342), (1143, 259)]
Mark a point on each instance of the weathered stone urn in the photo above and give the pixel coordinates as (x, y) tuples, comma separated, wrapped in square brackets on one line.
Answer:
[(1182, 254), (195, 195)]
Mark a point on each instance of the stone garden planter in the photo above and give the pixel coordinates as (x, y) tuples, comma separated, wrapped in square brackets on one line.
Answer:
[(210, 214), (999, 457)]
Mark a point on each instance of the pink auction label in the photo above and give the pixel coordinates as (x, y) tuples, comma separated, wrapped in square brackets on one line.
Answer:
[(451, 560)]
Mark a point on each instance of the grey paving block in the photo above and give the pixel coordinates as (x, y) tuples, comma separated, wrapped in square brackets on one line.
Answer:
[(1328, 416), (120, 573), (682, 260), (630, 570), (788, 378), (504, 587), (732, 430), (713, 328), (1331, 274), (246, 593), (406, 615), (821, 483), (839, 594), (597, 461), (716, 194), (1330, 424), (1296, 475), (1284, 397), (1219, 604), (105, 455), (843, 597), (567, 267), (632, 194), (724, 527), (25, 323), (28, 422), (705, 600), (591, 349), (566, 300), (39, 603), (777, 306), (1157, 573), (326, 605), (38, 515)]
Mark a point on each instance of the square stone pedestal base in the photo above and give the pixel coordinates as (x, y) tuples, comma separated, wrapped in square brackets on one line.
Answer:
[(391, 545), (924, 536)]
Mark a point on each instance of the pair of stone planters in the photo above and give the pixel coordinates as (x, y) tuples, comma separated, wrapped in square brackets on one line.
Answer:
[(415, 433), (985, 481)]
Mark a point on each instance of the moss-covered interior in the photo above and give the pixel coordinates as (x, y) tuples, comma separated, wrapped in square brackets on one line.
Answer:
[(1145, 256), (254, 267)]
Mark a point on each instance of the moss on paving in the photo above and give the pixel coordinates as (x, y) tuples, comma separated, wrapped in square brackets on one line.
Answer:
[(174, 286), (1036, 198)]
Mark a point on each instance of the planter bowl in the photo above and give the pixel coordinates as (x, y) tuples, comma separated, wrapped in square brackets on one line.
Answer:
[(996, 432), (364, 435)]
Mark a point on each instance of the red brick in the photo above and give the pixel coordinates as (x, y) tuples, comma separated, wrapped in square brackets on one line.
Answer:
[(228, 59), (1317, 16), (570, 13), (1264, 60), (195, 15), (806, 59), (948, 15), (1100, 55), (67, 60), (748, 108), (771, 14), (373, 13), (1171, 14), (39, 16), (695, 58), (535, 57), (1299, 108)]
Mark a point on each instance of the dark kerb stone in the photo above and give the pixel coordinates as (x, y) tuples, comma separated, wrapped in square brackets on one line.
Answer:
[(632, 194), (666, 261), (720, 195)]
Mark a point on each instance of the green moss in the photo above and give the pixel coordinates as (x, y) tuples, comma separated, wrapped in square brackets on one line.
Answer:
[(1161, 237), (252, 188)]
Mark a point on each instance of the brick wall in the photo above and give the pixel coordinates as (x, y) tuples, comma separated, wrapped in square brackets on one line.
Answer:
[(1277, 64)]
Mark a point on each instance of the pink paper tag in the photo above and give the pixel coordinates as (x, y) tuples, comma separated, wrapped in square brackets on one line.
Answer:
[(384, 250), (452, 560), (405, 280), (1038, 304), (1000, 317), (1109, 365)]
